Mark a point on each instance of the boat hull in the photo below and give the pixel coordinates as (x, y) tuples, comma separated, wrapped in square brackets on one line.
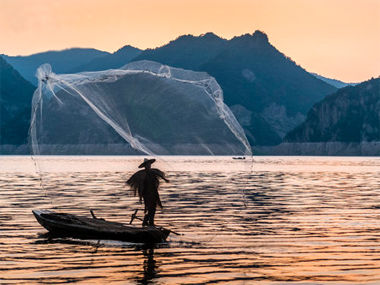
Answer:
[(62, 224)]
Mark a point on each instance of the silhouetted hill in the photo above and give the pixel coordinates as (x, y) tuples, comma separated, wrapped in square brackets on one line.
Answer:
[(15, 100), (352, 114), (187, 51), (255, 75), (265, 76), (267, 91), (61, 61), (109, 61)]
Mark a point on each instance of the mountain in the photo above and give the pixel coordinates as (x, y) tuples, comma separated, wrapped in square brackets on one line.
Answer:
[(333, 82), (268, 92), (187, 51), (255, 75), (352, 114), (109, 61), (15, 100), (61, 61)]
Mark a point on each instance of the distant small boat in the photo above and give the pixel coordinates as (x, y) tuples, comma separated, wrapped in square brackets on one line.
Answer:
[(62, 224), (238, 157)]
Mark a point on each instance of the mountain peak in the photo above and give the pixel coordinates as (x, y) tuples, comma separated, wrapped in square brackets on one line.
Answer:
[(257, 39), (127, 48), (260, 36), (187, 51), (209, 35)]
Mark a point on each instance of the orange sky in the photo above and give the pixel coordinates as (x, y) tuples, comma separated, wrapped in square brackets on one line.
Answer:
[(335, 38)]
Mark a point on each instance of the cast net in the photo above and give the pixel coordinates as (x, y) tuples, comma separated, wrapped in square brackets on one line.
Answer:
[(142, 108)]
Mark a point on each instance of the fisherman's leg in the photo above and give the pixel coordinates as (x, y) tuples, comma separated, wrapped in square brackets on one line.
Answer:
[(145, 221), (151, 214), (146, 216)]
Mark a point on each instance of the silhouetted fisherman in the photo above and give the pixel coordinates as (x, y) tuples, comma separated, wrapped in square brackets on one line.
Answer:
[(145, 182)]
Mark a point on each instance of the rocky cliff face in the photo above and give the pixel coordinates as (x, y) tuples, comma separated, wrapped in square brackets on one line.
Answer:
[(352, 114), (15, 100)]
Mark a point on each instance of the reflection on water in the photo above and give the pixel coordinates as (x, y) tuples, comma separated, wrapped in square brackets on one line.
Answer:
[(147, 252), (149, 266), (289, 220)]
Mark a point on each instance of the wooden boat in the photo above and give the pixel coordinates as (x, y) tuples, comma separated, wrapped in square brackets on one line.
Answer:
[(238, 157), (62, 224)]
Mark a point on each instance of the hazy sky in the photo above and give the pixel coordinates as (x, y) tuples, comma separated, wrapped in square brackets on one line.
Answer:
[(335, 38)]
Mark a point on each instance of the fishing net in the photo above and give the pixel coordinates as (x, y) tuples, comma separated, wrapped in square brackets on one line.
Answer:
[(142, 108)]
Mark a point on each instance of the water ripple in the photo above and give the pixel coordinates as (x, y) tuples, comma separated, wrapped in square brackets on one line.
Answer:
[(238, 226)]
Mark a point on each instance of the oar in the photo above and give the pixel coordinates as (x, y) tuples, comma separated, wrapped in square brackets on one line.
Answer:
[(178, 234), (93, 215), (134, 216)]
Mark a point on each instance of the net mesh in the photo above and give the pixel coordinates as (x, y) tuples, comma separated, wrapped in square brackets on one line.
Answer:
[(142, 108)]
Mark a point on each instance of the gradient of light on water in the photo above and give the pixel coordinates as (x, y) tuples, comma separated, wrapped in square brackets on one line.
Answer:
[(306, 219)]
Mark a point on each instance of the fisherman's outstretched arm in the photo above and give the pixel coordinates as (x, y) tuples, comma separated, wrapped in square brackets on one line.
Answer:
[(160, 174)]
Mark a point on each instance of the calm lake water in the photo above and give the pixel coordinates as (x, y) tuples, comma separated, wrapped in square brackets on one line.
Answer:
[(274, 219)]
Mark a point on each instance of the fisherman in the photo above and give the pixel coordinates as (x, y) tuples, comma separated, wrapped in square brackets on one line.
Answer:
[(145, 182)]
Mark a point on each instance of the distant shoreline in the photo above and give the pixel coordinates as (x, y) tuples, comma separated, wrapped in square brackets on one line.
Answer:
[(321, 149), (283, 149)]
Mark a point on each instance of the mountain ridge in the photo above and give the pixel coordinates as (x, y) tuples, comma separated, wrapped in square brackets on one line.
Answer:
[(186, 51), (246, 67), (334, 82), (109, 61), (269, 93), (61, 61)]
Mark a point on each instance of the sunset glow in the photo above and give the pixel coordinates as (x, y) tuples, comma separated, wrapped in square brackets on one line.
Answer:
[(335, 38)]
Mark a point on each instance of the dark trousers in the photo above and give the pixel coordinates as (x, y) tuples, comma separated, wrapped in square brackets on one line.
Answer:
[(149, 217)]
